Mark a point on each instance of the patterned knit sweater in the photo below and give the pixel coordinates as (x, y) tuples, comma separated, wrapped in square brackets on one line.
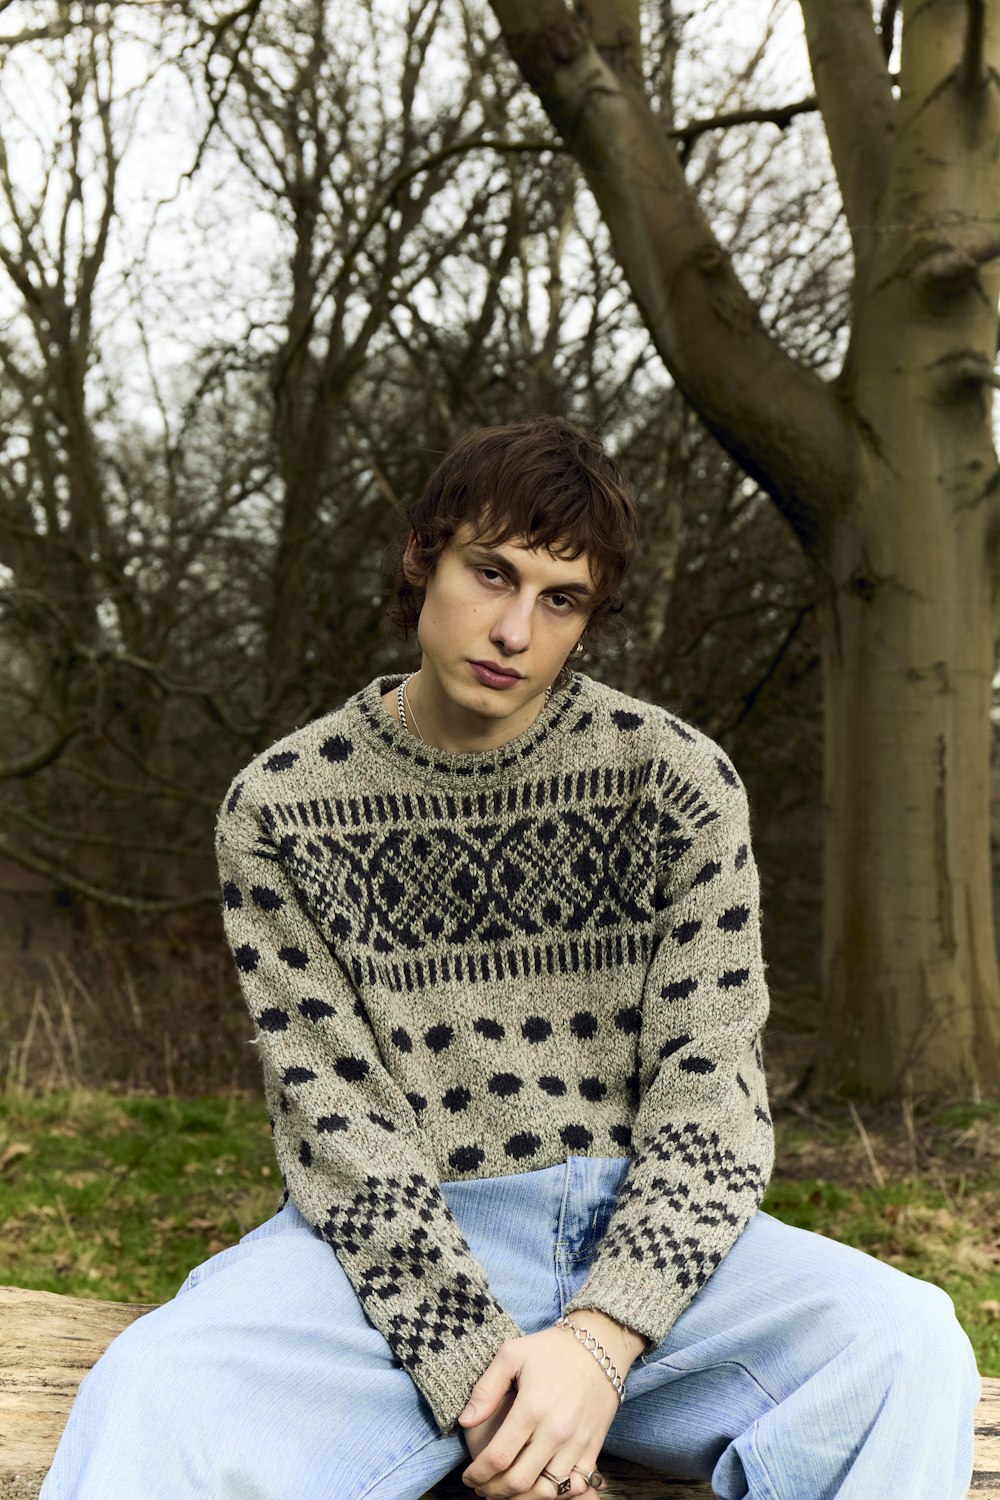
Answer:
[(470, 965)]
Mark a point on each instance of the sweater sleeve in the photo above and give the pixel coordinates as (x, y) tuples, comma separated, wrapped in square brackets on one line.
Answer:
[(346, 1138), (702, 1141)]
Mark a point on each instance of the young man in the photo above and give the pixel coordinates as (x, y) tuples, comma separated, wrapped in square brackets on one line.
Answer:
[(497, 926)]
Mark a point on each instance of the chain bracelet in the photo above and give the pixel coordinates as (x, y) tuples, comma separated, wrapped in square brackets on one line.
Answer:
[(597, 1349)]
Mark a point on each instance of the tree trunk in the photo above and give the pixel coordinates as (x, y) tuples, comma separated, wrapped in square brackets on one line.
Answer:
[(290, 650), (911, 975), (909, 960)]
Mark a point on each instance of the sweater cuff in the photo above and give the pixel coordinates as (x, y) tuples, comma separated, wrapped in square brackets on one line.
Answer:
[(445, 1379), (648, 1309)]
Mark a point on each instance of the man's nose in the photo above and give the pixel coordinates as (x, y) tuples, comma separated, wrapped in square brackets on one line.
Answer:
[(512, 628)]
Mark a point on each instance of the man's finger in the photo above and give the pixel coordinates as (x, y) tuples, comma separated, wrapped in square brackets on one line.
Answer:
[(563, 1465), (503, 1449), (527, 1478), (491, 1387), (585, 1467)]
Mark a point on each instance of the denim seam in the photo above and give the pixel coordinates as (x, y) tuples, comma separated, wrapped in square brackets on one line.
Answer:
[(751, 1376), (762, 1476), (560, 1246), (719, 1364)]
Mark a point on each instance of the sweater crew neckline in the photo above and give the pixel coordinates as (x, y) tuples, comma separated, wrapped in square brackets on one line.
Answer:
[(460, 767)]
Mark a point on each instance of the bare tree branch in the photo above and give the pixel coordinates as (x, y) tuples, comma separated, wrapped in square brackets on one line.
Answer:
[(37, 760), (98, 841), (38, 33), (141, 905), (217, 95), (170, 787), (855, 95), (705, 326), (887, 26), (778, 657), (169, 685), (971, 72), (780, 115), (140, 792)]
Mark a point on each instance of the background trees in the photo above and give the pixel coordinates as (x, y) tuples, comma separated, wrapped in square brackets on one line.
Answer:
[(263, 264)]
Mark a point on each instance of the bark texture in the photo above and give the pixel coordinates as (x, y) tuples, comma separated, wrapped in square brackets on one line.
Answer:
[(49, 1343), (887, 474)]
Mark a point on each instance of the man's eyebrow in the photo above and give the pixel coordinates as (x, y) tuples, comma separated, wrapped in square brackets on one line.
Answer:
[(504, 565)]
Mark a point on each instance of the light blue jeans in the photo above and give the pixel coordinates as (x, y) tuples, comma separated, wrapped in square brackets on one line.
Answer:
[(804, 1369)]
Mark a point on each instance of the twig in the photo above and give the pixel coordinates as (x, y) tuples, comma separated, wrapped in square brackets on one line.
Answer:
[(61, 877), (168, 1066), (70, 1029), (60, 1205), (37, 760), (911, 1132), (28, 1039), (780, 115), (942, 1186), (806, 1114), (133, 999), (877, 1172), (58, 1061)]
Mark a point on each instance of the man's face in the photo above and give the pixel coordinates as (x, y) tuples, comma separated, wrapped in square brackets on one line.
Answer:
[(498, 622)]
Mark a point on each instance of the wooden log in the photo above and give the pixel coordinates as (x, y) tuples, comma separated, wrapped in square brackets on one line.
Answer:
[(49, 1342), (47, 1345)]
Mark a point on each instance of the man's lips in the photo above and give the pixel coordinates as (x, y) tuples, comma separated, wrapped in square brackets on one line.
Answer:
[(494, 675)]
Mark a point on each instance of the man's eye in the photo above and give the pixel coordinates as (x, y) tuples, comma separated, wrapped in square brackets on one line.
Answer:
[(562, 602), (491, 575)]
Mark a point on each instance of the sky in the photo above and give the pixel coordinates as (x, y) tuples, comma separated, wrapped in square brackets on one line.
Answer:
[(200, 258)]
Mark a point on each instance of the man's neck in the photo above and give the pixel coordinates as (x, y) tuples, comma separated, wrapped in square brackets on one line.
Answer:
[(431, 716)]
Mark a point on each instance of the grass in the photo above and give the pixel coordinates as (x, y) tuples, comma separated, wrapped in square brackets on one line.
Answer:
[(922, 1194), (115, 1196), (102, 1196)]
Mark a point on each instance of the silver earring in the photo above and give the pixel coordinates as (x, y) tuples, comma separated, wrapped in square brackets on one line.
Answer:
[(578, 649)]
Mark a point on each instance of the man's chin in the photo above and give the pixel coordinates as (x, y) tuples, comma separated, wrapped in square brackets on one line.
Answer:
[(503, 703)]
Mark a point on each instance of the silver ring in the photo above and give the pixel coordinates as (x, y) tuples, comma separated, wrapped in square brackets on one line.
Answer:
[(595, 1478), (562, 1485)]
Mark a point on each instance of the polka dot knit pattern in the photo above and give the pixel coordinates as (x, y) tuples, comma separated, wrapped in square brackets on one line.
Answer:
[(470, 965)]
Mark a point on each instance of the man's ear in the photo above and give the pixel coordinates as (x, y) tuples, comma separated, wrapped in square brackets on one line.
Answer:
[(412, 571)]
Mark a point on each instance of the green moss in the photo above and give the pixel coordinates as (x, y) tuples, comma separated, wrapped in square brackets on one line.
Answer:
[(961, 1115), (119, 1197)]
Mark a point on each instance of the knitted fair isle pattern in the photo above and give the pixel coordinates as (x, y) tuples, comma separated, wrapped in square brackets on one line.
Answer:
[(470, 965)]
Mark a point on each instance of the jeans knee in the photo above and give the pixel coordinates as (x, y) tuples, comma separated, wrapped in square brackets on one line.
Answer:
[(138, 1357), (916, 1336)]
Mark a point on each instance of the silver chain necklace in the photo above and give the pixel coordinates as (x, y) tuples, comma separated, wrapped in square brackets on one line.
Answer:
[(405, 710), (403, 703)]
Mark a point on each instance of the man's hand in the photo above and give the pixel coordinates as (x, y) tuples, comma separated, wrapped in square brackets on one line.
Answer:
[(477, 1437), (544, 1403)]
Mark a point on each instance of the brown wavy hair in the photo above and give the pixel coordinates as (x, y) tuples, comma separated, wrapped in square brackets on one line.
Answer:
[(545, 480)]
